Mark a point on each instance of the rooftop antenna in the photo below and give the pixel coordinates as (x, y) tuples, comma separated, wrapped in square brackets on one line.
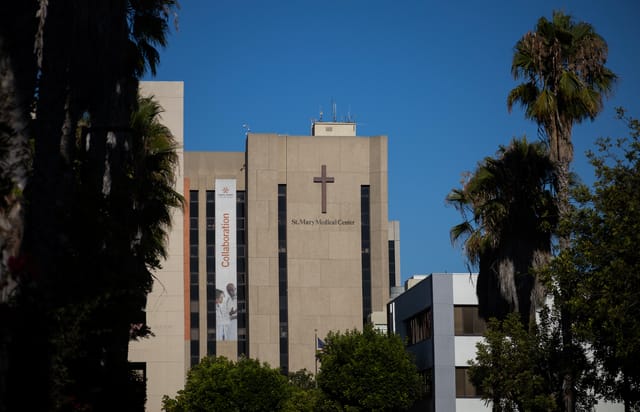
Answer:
[(321, 113), (335, 110)]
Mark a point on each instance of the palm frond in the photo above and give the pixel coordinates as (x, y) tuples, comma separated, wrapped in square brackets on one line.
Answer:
[(570, 84), (460, 230), (565, 61), (543, 107), (524, 94)]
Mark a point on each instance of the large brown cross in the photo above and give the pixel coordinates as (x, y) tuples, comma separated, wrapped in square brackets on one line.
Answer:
[(324, 180)]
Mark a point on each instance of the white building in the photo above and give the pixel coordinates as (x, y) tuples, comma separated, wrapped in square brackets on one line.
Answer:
[(437, 315)]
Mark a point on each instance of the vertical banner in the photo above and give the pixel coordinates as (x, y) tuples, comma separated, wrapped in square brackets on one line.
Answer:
[(226, 274)]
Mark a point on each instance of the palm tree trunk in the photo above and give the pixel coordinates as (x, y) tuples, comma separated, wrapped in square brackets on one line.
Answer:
[(566, 320), (561, 153), (18, 74), (45, 229), (14, 122)]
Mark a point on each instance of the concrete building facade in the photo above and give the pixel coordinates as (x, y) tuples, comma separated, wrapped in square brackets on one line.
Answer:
[(314, 248), (277, 244), (437, 316), (162, 358)]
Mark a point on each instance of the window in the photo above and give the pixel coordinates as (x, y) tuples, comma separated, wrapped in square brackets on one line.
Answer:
[(194, 293), (139, 369), (211, 314), (194, 318), (365, 239), (195, 352), (193, 232), (419, 327), (194, 333), (282, 279), (464, 387), (210, 263), (467, 321), (426, 380), (392, 263), (211, 340), (241, 266), (210, 267)]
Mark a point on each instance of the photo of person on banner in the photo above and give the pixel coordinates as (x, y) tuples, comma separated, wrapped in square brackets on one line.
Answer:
[(232, 309), (223, 320)]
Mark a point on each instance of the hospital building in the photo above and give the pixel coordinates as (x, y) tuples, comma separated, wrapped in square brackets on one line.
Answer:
[(277, 244)]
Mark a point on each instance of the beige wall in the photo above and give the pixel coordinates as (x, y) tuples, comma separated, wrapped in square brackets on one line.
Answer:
[(324, 260), (333, 129), (202, 169), (265, 158), (164, 354)]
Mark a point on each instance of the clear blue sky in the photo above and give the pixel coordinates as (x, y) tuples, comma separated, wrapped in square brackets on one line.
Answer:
[(431, 75)]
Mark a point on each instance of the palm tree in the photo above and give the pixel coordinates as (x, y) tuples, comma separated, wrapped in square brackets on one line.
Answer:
[(562, 64), (139, 211), (18, 75), (87, 61), (102, 312), (509, 218), (153, 181)]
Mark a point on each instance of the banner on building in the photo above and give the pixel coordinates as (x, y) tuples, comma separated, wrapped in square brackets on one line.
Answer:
[(225, 252)]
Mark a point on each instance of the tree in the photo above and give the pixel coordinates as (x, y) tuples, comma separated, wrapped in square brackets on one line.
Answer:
[(367, 371), (218, 384), (305, 395), (151, 183), (137, 217), (98, 315), (18, 76), (513, 368), (603, 265), (565, 78), (71, 269), (509, 219)]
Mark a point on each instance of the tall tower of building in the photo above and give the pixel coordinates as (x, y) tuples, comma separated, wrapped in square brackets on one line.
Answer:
[(276, 244), (162, 358), (311, 240)]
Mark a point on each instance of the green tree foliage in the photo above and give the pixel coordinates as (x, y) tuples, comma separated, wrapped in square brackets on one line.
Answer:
[(603, 265), (509, 216), (514, 368), (151, 180), (367, 371), (218, 384), (305, 395)]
